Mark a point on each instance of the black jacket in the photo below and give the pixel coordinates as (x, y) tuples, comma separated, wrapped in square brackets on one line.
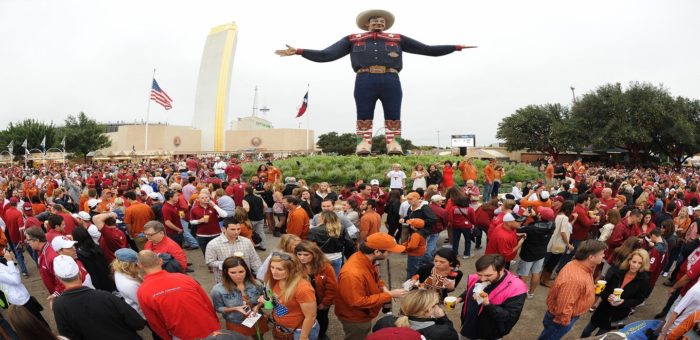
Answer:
[(441, 329), (85, 313), (97, 266), (633, 294), (343, 243), (426, 214)]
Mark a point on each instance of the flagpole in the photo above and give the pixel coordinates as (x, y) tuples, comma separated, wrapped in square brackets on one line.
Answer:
[(148, 112), (307, 122)]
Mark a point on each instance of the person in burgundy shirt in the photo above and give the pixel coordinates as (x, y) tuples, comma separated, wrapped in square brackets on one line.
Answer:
[(56, 226), (504, 240), (205, 215), (237, 191), (171, 217), (629, 226), (233, 170), (36, 239), (112, 238), (607, 200), (160, 244), (68, 219), (583, 222)]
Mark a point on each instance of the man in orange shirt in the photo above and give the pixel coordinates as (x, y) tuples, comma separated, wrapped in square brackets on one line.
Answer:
[(573, 291), (274, 175), (361, 293), (297, 218), (135, 217), (489, 176), (468, 170), (549, 174), (371, 221)]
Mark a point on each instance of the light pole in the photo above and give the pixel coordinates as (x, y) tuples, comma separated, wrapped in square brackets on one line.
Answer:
[(438, 135), (573, 93)]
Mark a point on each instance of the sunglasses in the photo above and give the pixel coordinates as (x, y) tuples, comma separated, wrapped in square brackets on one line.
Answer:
[(283, 256)]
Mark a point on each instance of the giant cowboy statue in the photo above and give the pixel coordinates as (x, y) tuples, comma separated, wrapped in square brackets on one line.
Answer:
[(376, 59)]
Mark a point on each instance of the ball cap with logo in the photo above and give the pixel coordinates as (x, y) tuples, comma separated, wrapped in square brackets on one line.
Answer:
[(383, 241)]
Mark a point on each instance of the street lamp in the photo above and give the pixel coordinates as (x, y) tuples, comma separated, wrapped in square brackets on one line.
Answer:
[(438, 135), (573, 93)]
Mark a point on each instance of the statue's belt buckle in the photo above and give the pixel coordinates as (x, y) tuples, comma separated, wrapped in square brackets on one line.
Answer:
[(377, 69)]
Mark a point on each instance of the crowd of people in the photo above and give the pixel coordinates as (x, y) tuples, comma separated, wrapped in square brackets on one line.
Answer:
[(111, 242)]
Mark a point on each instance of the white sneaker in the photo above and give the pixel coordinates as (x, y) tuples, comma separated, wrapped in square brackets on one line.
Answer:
[(466, 257), (530, 296), (664, 274)]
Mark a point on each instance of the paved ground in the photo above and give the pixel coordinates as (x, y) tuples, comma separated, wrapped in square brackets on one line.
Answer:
[(528, 327)]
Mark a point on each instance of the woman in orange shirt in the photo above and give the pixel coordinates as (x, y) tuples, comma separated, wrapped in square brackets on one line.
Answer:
[(322, 278), (240, 216), (293, 297), (37, 206)]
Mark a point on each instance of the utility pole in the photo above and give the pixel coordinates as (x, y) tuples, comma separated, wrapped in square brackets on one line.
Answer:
[(573, 93)]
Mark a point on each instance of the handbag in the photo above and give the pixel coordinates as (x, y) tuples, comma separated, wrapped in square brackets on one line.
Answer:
[(558, 244)]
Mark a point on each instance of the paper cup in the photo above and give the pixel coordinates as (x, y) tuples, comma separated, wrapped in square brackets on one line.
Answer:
[(450, 302), (238, 254), (618, 293), (206, 218), (599, 286)]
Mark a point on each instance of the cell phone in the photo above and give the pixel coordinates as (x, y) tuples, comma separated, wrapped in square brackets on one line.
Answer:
[(246, 309)]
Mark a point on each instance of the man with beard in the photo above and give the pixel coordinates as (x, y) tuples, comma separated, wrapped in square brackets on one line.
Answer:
[(493, 300), (376, 58)]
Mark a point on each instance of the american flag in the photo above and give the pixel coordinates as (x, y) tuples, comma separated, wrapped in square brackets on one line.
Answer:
[(160, 97)]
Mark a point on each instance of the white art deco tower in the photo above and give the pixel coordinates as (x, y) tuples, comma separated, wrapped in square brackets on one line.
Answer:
[(213, 86)]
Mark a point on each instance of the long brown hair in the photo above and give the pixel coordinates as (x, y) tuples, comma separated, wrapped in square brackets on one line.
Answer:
[(319, 260), (232, 262), (26, 325)]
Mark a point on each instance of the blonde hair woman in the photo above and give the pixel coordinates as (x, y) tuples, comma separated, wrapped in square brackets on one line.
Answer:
[(633, 278), (332, 238), (420, 311), (287, 244), (127, 276), (293, 297)]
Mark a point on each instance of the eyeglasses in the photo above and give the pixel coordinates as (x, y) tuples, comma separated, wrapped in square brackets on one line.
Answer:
[(32, 240), (150, 234), (283, 256)]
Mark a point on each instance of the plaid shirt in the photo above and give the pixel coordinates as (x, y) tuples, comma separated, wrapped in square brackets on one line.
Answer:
[(221, 248)]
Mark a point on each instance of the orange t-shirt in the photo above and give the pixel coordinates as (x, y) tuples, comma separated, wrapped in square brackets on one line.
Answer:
[(273, 174), (370, 222), (38, 208), (468, 171), (549, 171), (246, 231), (136, 216), (304, 293)]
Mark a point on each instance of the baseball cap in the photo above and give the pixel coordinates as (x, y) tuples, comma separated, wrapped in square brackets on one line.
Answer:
[(62, 242), (512, 217), (14, 200), (154, 196), (416, 223), (696, 208), (406, 333), (546, 214), (437, 198), (544, 194), (126, 255), (93, 202), (65, 267), (374, 182), (84, 216), (383, 241)]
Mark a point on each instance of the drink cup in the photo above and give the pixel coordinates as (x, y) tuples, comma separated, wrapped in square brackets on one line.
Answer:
[(618, 293), (238, 254), (599, 286), (450, 302), (206, 218), (182, 214)]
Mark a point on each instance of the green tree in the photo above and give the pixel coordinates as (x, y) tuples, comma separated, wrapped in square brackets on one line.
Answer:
[(84, 135), (544, 128), (31, 130), (340, 144), (679, 137), (379, 144)]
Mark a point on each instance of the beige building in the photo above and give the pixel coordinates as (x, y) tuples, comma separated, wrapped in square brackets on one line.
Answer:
[(172, 138), (270, 140)]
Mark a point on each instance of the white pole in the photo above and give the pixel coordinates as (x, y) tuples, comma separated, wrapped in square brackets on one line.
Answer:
[(148, 112), (307, 121)]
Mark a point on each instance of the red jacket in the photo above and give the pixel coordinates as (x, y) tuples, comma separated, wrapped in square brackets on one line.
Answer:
[(582, 224), (441, 218), (461, 217), (168, 246), (620, 233), (175, 304), (14, 221), (502, 241)]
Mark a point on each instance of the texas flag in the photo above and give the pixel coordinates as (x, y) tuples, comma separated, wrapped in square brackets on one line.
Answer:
[(302, 109)]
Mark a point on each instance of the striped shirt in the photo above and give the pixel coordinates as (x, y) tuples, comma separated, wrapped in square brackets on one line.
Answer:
[(573, 292)]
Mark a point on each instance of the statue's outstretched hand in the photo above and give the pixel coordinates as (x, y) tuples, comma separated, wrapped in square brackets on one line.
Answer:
[(468, 46), (285, 53)]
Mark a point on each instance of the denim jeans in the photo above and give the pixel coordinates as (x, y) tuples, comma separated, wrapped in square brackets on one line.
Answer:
[(553, 330), (456, 235), (383, 87), (412, 265), (19, 254), (431, 246), (259, 227), (336, 266), (313, 334), (495, 188), (189, 240), (477, 233), (486, 193)]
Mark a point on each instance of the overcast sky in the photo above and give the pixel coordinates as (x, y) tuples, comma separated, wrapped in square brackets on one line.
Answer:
[(63, 57)]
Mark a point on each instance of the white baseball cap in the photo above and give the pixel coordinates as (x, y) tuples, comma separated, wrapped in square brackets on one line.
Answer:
[(65, 267), (544, 195), (374, 182), (93, 202), (62, 242), (84, 216), (154, 196), (437, 198)]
